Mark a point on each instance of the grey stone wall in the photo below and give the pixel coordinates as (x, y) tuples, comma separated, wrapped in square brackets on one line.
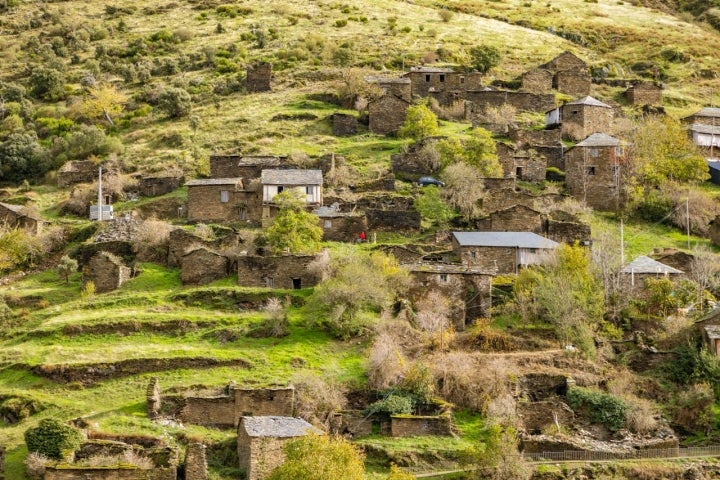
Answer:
[(156, 186), (343, 228), (589, 176), (414, 163), (573, 82), (259, 77), (181, 241), (264, 401), (73, 172), (488, 258), (518, 218), (344, 124), (644, 93), (106, 271), (412, 426), (387, 114), (123, 473), (259, 456), (195, 462), (523, 101), (534, 138), (216, 412), (581, 121), (393, 220), (275, 272), (537, 80), (530, 166), (202, 266), (554, 156), (204, 204)]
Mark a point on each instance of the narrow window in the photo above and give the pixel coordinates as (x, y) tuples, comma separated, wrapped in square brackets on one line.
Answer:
[(328, 224), (427, 78), (462, 80), (224, 196), (443, 277), (590, 170), (280, 188), (297, 283), (309, 190), (269, 282), (518, 172), (442, 78), (243, 213)]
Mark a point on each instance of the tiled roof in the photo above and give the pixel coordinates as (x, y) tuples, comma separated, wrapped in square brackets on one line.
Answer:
[(278, 427), (291, 177), (599, 140), (589, 101), (213, 181), (643, 264), (503, 239)]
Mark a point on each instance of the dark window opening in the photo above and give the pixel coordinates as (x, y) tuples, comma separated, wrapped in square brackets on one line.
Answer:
[(243, 213), (519, 172), (297, 283), (280, 188), (590, 170), (427, 78), (462, 80), (442, 78), (270, 282), (443, 277)]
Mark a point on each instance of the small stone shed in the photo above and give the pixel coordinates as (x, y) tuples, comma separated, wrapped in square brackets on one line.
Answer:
[(705, 116), (259, 77), (17, 216), (387, 114), (581, 118), (78, 171), (156, 186), (639, 270), (200, 266), (645, 93), (467, 289), (283, 271), (261, 440), (594, 171), (106, 271), (505, 252), (220, 200)]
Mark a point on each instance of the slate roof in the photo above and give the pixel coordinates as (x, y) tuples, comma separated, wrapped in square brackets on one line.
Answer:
[(19, 209), (643, 264), (588, 100), (431, 70), (447, 268), (213, 181), (291, 177), (707, 112), (713, 331), (599, 140), (277, 427), (700, 128), (503, 239)]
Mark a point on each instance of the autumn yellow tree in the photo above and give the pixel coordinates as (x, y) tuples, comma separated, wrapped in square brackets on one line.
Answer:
[(320, 457), (103, 101)]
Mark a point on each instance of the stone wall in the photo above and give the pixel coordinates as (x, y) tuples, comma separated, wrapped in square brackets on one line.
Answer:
[(352, 423), (195, 462), (205, 205), (530, 166), (537, 80), (412, 426), (535, 137), (259, 77), (568, 231), (488, 258), (644, 93), (168, 208), (240, 166), (123, 473), (260, 456), (393, 220), (284, 271), (181, 241), (73, 172), (523, 101), (413, 163), (575, 82), (590, 177), (554, 156), (202, 266), (343, 228), (387, 114), (344, 124), (156, 186), (13, 219), (536, 416), (518, 218), (106, 271), (506, 157), (581, 121)]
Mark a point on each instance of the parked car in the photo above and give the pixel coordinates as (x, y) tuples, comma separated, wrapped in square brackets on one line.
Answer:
[(425, 181)]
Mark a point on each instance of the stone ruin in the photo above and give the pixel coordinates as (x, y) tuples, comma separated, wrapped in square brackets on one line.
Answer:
[(345, 124), (201, 265), (73, 172), (106, 271), (259, 77), (218, 407)]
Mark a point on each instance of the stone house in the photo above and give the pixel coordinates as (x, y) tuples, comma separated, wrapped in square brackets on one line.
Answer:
[(705, 116), (580, 118), (517, 218), (259, 77), (467, 289), (283, 271), (77, 171), (639, 270), (221, 200), (340, 226), (593, 171), (260, 442), (546, 144), (156, 186), (401, 87), (706, 137), (200, 266), (387, 113), (17, 216), (106, 271), (478, 101), (644, 93), (565, 73), (308, 182), (246, 167), (437, 81), (506, 252)]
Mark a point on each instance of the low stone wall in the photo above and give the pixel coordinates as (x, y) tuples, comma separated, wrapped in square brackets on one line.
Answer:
[(216, 412), (353, 423), (122, 473), (536, 416), (196, 462), (536, 137), (344, 124), (393, 220), (412, 426), (284, 271)]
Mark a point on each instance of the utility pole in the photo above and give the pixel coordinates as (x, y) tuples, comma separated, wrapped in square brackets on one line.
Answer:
[(622, 242), (687, 218), (100, 196)]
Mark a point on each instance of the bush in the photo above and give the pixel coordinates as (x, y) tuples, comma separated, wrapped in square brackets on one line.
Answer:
[(35, 464), (53, 438), (66, 267), (316, 399), (446, 15), (175, 102), (320, 457), (602, 408), (393, 404), (18, 250), (420, 122), (484, 57), (386, 363), (693, 409)]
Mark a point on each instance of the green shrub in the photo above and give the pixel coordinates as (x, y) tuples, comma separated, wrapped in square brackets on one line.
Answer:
[(52, 438), (393, 404), (175, 102), (341, 23), (602, 408)]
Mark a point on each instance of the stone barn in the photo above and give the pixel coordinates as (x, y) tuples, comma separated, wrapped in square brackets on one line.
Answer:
[(246, 167), (593, 171), (17, 216), (581, 118), (424, 80), (106, 271), (200, 266), (505, 252), (538, 80), (706, 116), (284, 271), (467, 289), (387, 114), (516, 218), (565, 73), (639, 270), (156, 186), (645, 93), (221, 200), (259, 77), (78, 171), (260, 442)]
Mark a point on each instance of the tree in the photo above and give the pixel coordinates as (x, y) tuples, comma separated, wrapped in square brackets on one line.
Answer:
[(420, 122), (175, 102), (294, 229), (66, 267), (432, 207), (484, 57), (500, 456), (52, 438), (22, 157), (320, 457), (464, 188), (103, 101), (476, 149), (397, 473), (357, 285), (47, 82)]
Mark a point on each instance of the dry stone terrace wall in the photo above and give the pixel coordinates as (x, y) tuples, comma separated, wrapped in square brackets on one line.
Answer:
[(523, 101), (86, 473), (412, 426), (259, 77)]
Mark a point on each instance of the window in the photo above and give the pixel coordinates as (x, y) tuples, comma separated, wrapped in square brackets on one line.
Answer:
[(224, 196), (473, 254), (519, 172), (594, 152), (328, 224), (297, 283), (427, 78), (442, 78), (590, 170), (443, 277), (280, 188), (310, 190), (462, 80), (242, 214)]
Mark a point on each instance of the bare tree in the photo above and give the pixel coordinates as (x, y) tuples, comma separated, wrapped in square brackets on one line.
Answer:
[(464, 188)]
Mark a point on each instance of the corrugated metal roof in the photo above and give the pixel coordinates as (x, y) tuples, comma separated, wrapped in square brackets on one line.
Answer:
[(213, 181), (291, 177), (278, 427), (588, 100), (709, 129), (503, 239), (600, 140), (643, 264)]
